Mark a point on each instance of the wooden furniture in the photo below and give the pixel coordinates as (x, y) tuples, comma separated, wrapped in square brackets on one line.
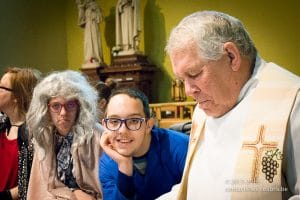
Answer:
[(171, 113), (130, 71), (91, 74)]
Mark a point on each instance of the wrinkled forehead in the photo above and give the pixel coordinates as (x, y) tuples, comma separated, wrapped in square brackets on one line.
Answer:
[(184, 61)]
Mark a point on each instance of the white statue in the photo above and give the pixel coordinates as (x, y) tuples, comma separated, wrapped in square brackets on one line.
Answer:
[(127, 27), (177, 91), (89, 18)]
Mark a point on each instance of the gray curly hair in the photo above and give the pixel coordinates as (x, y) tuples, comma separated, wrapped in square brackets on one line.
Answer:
[(70, 85), (209, 30)]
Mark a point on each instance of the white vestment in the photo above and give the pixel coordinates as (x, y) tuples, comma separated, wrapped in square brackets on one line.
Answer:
[(212, 172), (213, 166)]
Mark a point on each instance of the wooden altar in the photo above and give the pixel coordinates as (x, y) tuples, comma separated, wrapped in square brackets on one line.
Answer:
[(91, 74), (130, 71), (167, 114)]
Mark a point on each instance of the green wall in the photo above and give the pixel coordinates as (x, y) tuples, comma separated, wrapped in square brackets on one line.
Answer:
[(45, 34), (273, 25), (33, 34)]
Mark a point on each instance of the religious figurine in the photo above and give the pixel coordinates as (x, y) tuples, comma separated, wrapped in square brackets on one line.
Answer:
[(177, 91), (89, 18), (127, 27)]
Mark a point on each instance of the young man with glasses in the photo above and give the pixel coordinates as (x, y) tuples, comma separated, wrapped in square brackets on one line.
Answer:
[(140, 161)]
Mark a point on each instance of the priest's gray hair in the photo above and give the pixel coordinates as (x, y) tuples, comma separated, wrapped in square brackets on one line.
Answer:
[(70, 85), (209, 30)]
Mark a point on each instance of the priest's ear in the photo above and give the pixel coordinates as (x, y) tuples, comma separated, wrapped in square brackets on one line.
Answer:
[(233, 54)]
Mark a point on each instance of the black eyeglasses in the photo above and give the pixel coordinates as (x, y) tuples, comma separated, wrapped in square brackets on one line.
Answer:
[(56, 107), (132, 124), (7, 89)]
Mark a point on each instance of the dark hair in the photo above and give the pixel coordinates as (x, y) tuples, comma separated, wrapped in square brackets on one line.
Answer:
[(111, 83), (103, 90), (136, 94)]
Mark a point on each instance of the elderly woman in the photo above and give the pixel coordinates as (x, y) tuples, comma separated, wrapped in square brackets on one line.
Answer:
[(63, 121)]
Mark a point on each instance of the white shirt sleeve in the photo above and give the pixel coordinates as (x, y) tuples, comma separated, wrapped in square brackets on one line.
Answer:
[(170, 195), (293, 151)]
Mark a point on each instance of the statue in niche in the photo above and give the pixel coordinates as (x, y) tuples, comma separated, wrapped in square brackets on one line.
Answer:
[(127, 27), (177, 91), (89, 17)]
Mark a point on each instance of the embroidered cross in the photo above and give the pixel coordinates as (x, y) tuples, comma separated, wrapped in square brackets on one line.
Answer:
[(258, 146)]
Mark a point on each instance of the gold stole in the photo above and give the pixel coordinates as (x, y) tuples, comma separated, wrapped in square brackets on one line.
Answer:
[(263, 138), (259, 165), (196, 135)]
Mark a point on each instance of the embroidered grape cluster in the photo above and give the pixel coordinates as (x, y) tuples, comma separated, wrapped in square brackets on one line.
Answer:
[(269, 167), (270, 164)]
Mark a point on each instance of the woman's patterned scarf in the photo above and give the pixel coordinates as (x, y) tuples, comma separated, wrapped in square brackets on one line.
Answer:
[(64, 160)]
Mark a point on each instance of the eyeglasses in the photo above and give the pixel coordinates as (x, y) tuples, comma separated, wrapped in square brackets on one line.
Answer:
[(5, 88), (69, 106), (132, 124)]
